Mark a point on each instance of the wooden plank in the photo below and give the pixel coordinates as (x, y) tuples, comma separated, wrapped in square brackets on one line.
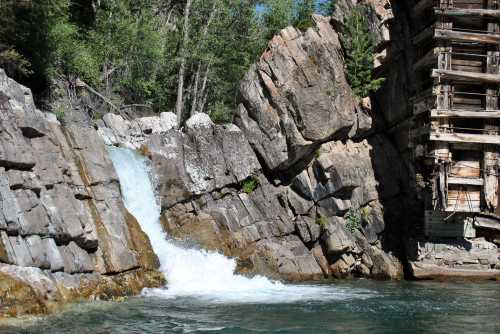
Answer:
[(456, 113), (465, 138), (466, 76), (463, 36), (468, 12), (467, 100), (466, 169), (466, 62), (464, 200), (466, 181), (487, 222)]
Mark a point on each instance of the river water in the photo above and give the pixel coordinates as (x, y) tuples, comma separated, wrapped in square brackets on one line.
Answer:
[(204, 295), (361, 306)]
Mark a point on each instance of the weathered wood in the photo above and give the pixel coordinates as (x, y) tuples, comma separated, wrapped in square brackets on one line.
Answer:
[(465, 138), (490, 163), (422, 271), (487, 222), (468, 12), (463, 36), (466, 76), (467, 199), (466, 181), (466, 169), (456, 113)]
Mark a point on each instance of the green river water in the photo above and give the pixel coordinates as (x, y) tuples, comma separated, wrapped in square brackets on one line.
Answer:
[(359, 306)]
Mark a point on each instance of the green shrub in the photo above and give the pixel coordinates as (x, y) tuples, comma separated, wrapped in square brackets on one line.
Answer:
[(322, 222), (60, 115), (359, 46), (14, 63), (353, 220), (250, 184), (305, 24), (221, 113)]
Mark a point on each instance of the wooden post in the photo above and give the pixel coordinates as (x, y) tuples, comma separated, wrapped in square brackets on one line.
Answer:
[(490, 161)]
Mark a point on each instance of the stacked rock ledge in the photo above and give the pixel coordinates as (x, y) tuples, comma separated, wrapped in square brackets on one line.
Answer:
[(64, 231)]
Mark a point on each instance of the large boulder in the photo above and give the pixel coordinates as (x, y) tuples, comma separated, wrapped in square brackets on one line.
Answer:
[(297, 97)]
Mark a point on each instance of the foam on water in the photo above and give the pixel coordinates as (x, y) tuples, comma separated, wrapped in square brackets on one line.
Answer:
[(199, 273)]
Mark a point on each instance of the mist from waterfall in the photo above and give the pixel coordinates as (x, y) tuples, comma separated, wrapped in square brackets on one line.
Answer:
[(191, 271)]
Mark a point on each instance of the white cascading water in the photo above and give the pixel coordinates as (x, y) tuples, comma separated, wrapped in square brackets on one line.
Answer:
[(194, 272)]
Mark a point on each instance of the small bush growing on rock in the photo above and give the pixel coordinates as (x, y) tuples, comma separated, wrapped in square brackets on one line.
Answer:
[(250, 184), (322, 222), (359, 47), (353, 220), (60, 115), (221, 113)]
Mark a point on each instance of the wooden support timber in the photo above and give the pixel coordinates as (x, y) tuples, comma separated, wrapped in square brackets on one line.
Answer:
[(456, 113), (466, 12), (466, 76), (465, 36), (465, 138), (456, 117)]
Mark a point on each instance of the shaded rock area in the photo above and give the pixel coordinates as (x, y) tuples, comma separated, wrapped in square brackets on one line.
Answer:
[(61, 213), (298, 187)]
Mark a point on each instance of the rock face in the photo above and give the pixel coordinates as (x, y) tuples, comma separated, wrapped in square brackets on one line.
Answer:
[(297, 97), (296, 189), (60, 208)]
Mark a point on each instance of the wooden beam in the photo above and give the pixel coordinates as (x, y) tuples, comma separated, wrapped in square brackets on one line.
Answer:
[(456, 113), (487, 222), (466, 76), (464, 12), (465, 138), (465, 181), (464, 36)]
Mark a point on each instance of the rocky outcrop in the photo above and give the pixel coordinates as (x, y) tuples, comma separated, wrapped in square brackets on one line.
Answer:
[(297, 97), (61, 212), (296, 189)]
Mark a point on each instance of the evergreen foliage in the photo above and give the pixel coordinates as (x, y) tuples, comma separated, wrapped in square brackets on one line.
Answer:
[(129, 50), (250, 184), (327, 7), (359, 46), (353, 220), (303, 15)]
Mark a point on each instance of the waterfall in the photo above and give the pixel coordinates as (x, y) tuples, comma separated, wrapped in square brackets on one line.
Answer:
[(190, 271)]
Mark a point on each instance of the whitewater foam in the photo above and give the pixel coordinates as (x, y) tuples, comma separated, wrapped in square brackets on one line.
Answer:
[(194, 272)]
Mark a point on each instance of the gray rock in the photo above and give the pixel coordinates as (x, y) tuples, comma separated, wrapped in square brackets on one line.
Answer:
[(337, 239)]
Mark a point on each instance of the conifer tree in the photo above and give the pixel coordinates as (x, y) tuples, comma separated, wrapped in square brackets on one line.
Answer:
[(359, 47), (303, 13)]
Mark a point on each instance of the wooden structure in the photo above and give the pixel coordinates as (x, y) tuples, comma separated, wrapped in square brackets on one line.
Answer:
[(455, 125)]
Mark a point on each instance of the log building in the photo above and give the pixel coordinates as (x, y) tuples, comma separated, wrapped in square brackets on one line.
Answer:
[(454, 135)]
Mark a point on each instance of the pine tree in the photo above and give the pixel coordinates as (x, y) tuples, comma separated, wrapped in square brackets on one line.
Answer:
[(278, 15), (327, 7), (303, 14), (359, 47)]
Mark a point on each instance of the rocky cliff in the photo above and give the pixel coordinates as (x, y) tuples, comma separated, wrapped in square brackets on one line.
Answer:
[(304, 185), (64, 231), (298, 187)]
